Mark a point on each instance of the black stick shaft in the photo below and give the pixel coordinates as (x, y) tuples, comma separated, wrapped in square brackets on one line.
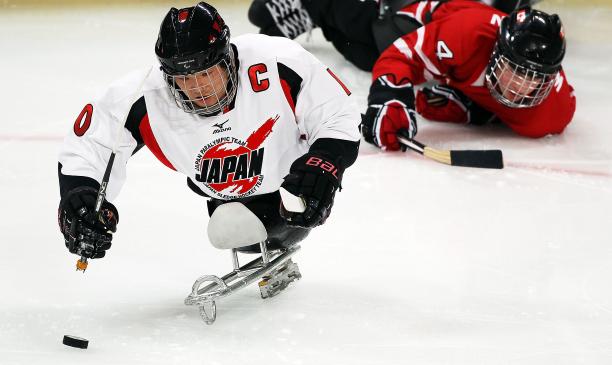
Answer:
[(411, 143), (99, 201), (104, 183)]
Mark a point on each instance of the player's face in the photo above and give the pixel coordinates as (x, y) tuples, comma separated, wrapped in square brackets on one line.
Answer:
[(515, 85), (205, 88)]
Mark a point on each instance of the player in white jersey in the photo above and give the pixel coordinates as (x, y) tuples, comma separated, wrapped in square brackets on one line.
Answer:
[(239, 119)]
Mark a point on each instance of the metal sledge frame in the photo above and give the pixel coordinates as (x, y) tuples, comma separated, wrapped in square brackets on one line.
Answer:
[(205, 297)]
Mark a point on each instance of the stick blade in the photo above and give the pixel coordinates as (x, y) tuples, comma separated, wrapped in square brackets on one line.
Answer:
[(486, 159)]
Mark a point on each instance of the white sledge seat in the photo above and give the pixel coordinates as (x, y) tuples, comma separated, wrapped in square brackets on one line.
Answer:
[(233, 225)]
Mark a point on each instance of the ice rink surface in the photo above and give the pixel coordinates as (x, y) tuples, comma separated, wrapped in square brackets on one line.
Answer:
[(420, 263)]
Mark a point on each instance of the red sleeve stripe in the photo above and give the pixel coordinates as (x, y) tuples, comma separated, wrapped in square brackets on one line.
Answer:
[(287, 92), (149, 140), (346, 90)]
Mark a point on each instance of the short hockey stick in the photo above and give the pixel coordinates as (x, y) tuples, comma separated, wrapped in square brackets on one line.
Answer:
[(82, 263), (487, 159)]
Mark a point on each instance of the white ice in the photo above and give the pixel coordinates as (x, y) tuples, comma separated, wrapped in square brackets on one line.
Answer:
[(420, 263)]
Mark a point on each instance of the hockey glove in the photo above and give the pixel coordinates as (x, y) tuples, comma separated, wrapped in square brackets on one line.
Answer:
[(314, 178), (445, 104), (390, 108), (86, 234)]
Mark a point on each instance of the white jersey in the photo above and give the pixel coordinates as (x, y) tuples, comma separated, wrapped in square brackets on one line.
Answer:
[(245, 151)]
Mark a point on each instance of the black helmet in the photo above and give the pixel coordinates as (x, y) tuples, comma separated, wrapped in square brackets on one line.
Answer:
[(529, 51), (194, 43), (533, 39), (508, 6), (192, 39)]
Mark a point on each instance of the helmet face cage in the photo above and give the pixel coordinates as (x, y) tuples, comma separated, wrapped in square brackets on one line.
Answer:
[(213, 88), (517, 86)]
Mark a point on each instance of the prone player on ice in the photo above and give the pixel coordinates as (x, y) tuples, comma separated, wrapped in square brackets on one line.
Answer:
[(450, 42), (489, 66), (359, 29), (239, 119)]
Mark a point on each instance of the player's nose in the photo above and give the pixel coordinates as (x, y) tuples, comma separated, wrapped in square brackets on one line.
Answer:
[(190, 82)]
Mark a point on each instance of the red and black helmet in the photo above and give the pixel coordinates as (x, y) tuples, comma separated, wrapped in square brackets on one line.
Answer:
[(526, 59), (194, 43), (533, 39), (192, 39)]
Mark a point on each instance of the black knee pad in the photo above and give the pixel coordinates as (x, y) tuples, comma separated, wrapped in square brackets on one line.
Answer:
[(259, 15)]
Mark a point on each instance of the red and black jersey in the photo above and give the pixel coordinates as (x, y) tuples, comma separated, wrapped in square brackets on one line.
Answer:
[(287, 104), (455, 48)]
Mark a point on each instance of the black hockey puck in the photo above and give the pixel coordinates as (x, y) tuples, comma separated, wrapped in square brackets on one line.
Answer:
[(74, 341)]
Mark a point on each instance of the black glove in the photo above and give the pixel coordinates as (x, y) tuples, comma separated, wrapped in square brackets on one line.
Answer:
[(314, 178), (84, 233), (390, 109)]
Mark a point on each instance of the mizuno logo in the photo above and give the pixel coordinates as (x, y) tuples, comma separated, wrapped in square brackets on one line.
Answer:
[(220, 127)]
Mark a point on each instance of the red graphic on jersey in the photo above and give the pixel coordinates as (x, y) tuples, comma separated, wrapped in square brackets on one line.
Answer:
[(234, 166), (83, 121), (346, 89)]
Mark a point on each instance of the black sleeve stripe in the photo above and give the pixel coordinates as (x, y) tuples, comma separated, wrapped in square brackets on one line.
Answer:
[(138, 147), (69, 182), (132, 124), (292, 78)]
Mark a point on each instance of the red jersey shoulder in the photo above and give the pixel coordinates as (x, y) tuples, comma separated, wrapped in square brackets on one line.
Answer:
[(419, 9), (473, 19), (467, 32), (449, 8), (456, 46)]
